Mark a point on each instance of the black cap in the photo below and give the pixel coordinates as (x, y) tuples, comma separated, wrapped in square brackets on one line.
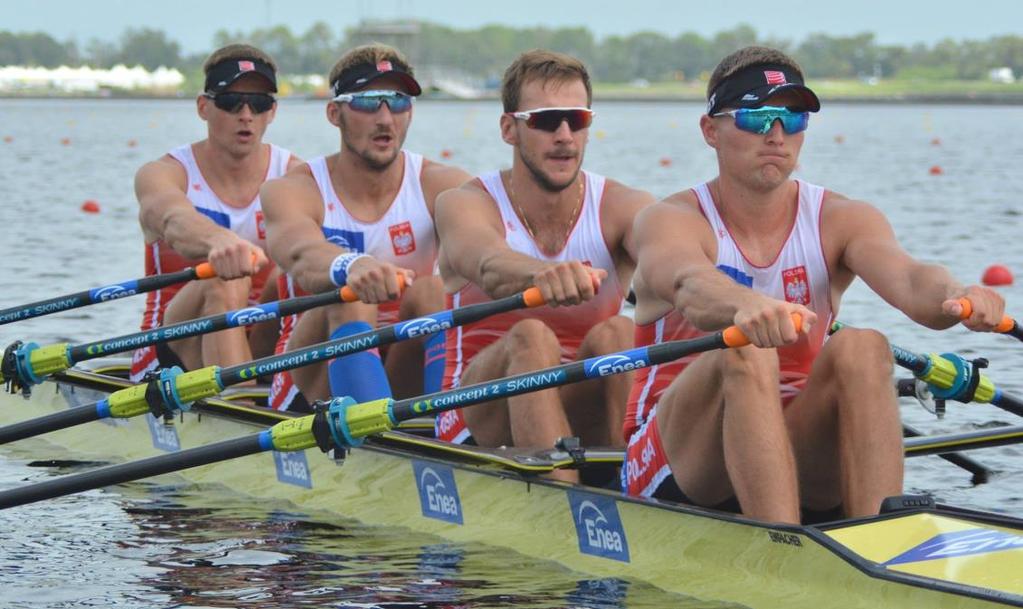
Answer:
[(358, 76), (749, 87), (222, 74)]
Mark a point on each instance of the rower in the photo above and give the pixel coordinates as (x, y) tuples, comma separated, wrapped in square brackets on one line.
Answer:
[(360, 217), (201, 201), (794, 420), (547, 223)]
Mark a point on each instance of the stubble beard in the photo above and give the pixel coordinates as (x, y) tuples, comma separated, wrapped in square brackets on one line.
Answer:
[(543, 180)]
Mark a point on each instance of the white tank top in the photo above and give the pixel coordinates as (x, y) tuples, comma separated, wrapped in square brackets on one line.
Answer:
[(404, 236), (247, 222)]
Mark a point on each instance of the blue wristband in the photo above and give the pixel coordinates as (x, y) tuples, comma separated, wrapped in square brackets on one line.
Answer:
[(339, 268)]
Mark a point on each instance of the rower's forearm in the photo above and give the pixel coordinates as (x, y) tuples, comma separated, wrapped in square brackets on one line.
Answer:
[(929, 286), (708, 299), (506, 273), (191, 237), (310, 268)]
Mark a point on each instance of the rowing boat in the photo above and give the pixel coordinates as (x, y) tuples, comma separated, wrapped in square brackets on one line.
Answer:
[(936, 556)]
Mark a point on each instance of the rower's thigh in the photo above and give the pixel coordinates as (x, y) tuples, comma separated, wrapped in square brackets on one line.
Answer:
[(689, 421), (488, 422), (187, 304), (596, 408), (310, 329)]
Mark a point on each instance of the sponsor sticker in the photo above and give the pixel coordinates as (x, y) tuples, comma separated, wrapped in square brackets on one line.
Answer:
[(113, 291), (438, 495), (403, 241), (598, 526), (252, 315), (422, 326), (293, 468), (960, 543), (165, 437), (774, 77), (246, 66), (616, 363), (797, 287)]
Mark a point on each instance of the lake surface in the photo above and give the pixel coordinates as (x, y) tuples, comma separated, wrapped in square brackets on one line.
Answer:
[(168, 546)]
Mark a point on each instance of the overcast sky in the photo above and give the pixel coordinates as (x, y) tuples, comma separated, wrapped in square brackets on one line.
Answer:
[(193, 22)]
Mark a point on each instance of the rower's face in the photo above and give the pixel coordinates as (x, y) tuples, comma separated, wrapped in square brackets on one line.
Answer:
[(375, 137), (761, 161), (552, 157), (240, 133)]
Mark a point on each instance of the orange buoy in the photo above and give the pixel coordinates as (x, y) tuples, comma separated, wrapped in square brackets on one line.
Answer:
[(936, 170), (132, 143), (936, 141), (90, 207), (65, 141), (665, 161), (997, 274), (8, 139), (839, 139), (445, 154)]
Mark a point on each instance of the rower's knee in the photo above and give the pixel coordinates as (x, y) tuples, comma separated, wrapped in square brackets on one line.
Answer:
[(858, 354), (533, 341), (219, 296), (338, 314), (613, 334), (750, 367), (424, 296)]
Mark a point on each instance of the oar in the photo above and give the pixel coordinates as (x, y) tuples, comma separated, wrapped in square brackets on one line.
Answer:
[(104, 293), (30, 364), (953, 377), (175, 390), (1008, 325), (345, 424), (964, 440)]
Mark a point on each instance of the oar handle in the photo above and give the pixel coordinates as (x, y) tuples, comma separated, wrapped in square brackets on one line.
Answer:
[(1004, 326), (349, 295), (734, 337), (204, 270)]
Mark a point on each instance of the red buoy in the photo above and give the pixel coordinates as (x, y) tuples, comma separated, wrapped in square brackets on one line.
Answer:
[(8, 139), (997, 274), (132, 143), (65, 141), (936, 141), (665, 161), (936, 170), (839, 139), (90, 207), (445, 154)]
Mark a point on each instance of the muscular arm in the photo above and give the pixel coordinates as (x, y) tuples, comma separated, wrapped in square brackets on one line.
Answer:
[(437, 178), (870, 250), (166, 213)]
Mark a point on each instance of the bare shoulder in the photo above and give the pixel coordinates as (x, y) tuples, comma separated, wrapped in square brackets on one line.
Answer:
[(295, 161), (681, 206), (165, 171), (295, 189), (440, 177), (839, 212), (622, 196)]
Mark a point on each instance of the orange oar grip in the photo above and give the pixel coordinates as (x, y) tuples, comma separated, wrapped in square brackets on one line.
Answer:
[(734, 337), (1003, 326), (205, 270), (533, 298), (348, 294)]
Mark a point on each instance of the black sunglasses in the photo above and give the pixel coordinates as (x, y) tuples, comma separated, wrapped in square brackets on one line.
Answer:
[(232, 102)]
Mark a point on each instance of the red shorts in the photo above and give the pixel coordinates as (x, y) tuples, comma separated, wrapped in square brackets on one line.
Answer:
[(646, 464)]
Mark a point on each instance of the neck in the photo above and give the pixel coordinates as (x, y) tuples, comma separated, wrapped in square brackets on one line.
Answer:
[(229, 167), (751, 210), (360, 182), (536, 201)]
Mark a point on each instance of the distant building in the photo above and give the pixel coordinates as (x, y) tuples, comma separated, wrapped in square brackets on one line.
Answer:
[(89, 80), (1002, 75)]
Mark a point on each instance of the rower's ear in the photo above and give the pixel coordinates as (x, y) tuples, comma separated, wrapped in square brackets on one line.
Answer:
[(334, 114), (508, 131), (709, 129), (202, 104)]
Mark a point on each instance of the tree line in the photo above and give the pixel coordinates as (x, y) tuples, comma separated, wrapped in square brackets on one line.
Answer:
[(485, 52)]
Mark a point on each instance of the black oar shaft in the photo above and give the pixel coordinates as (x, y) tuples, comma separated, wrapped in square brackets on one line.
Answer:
[(117, 474), (967, 440), (980, 472), (48, 423), (100, 294)]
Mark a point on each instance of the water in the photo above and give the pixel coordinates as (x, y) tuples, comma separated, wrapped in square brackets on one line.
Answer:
[(166, 546)]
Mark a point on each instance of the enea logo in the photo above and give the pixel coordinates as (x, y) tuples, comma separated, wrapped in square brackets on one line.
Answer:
[(422, 326), (293, 468), (348, 239), (438, 495), (113, 292), (960, 543), (252, 315), (616, 363), (165, 437), (598, 526)]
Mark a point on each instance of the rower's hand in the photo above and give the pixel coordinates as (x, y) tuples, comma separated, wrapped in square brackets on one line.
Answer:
[(233, 257), (568, 283), (767, 322), (988, 308), (375, 281)]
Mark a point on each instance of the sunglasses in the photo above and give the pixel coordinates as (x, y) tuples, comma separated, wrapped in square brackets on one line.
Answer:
[(370, 101), (760, 120), (233, 102), (550, 119)]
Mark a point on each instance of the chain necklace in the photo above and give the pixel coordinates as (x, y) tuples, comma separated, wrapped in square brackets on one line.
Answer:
[(525, 220)]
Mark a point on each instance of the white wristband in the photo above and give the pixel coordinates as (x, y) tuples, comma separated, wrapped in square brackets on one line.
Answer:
[(339, 268)]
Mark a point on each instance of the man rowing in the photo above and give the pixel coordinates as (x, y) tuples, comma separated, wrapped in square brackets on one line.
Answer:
[(547, 223), (800, 421), (201, 201), (360, 217)]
